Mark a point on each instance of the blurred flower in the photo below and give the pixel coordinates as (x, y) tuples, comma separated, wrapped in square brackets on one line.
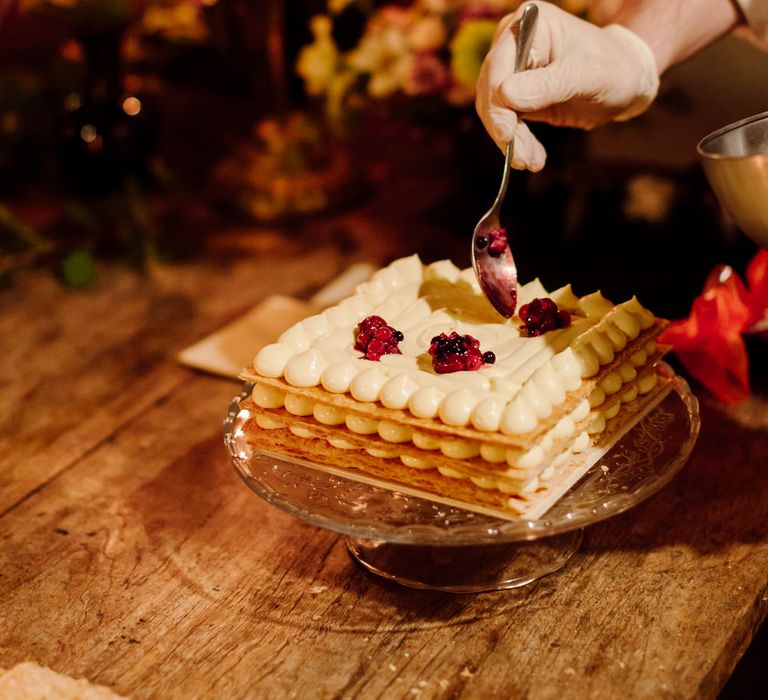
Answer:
[(317, 62), (427, 34), (384, 55), (416, 47), (336, 7), (437, 7), (428, 76), (468, 49)]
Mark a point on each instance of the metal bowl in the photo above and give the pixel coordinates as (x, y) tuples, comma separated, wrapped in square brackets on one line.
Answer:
[(735, 160)]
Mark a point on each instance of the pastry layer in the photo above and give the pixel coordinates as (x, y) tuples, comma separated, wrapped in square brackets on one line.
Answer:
[(530, 501), (514, 471)]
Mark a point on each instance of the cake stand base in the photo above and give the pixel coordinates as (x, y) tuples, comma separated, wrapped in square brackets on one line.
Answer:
[(466, 569)]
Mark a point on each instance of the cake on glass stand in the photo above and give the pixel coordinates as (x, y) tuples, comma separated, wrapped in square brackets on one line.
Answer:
[(422, 543)]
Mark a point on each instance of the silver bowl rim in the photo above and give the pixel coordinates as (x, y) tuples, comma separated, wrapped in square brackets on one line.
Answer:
[(700, 146)]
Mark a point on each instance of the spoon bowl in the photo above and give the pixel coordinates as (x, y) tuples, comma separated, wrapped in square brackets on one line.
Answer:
[(492, 258)]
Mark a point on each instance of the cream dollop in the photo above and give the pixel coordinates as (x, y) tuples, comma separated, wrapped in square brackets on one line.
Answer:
[(425, 402), (396, 392), (305, 368), (337, 377), (271, 360), (455, 408)]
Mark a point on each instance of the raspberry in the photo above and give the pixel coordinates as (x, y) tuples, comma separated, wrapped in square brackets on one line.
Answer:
[(498, 242), (457, 353), (542, 315), (375, 337)]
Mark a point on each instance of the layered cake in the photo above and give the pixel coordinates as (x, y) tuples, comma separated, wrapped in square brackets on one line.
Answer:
[(417, 382)]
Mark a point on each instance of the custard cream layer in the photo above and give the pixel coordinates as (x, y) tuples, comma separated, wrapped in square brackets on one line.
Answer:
[(531, 468), (520, 464), (529, 378)]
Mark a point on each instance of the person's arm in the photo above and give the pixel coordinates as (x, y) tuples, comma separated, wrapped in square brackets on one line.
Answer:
[(756, 14), (677, 29), (582, 75)]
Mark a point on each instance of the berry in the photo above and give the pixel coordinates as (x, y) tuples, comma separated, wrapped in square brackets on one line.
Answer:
[(457, 353), (498, 242), (376, 338), (542, 315)]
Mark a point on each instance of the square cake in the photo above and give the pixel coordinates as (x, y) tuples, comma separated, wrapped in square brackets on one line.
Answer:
[(418, 382)]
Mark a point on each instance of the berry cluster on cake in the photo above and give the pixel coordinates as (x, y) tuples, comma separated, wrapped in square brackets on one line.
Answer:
[(416, 380)]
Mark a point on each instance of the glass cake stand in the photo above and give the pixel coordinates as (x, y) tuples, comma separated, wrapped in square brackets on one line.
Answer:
[(423, 544)]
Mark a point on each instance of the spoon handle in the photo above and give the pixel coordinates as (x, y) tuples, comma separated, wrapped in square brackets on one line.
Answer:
[(525, 36), (524, 41)]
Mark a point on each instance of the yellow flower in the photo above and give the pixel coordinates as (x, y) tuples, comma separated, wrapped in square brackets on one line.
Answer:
[(318, 62), (468, 49), (336, 7)]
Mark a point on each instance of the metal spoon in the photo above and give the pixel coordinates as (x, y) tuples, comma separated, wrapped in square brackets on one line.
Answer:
[(491, 256)]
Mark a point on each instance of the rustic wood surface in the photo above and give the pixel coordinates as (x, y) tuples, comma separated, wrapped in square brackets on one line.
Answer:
[(132, 554)]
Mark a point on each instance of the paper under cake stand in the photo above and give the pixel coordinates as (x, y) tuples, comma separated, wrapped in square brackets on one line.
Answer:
[(423, 544)]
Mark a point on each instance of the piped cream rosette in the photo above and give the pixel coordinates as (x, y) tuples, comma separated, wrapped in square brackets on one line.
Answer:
[(500, 429)]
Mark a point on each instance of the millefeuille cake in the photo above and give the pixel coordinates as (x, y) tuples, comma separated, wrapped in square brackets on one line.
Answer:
[(417, 381)]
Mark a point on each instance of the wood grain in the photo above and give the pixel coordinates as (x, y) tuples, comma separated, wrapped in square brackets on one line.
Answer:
[(131, 554)]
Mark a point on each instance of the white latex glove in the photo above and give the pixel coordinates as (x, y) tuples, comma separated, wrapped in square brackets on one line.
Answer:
[(579, 75)]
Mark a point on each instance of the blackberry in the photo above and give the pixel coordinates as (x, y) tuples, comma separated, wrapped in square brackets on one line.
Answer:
[(456, 353)]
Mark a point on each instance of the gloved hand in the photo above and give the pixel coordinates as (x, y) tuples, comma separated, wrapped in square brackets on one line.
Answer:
[(579, 75)]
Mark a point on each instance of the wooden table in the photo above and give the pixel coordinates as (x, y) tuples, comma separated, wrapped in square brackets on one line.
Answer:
[(133, 555)]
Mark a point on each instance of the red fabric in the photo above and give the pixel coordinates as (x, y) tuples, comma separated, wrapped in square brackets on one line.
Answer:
[(710, 341), (757, 278)]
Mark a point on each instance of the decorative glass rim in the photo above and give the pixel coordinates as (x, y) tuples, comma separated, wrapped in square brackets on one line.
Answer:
[(640, 464)]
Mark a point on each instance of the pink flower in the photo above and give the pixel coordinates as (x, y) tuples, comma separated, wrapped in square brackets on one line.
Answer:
[(428, 75)]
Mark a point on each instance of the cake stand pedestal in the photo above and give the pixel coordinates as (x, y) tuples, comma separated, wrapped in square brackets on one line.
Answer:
[(466, 568)]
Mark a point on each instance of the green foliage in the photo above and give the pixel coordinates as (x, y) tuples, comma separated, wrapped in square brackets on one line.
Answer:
[(78, 268), (129, 226)]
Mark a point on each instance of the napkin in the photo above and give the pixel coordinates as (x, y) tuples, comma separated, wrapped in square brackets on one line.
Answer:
[(29, 681), (233, 347)]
